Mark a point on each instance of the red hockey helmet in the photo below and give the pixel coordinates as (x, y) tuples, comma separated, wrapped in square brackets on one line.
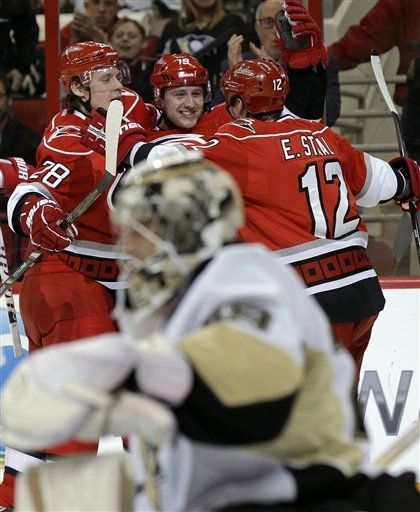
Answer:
[(179, 70), (80, 59), (262, 84)]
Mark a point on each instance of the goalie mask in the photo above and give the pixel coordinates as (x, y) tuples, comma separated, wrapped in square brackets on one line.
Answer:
[(171, 216)]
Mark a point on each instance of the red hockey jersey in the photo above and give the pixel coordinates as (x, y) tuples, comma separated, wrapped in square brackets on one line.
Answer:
[(302, 184), (207, 126), (66, 172)]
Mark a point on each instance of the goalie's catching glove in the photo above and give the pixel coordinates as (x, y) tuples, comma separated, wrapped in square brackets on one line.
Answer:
[(78, 390), (299, 37), (93, 135), (41, 220)]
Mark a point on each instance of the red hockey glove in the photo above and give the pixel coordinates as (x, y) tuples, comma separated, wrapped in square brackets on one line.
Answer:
[(13, 171), (299, 37), (411, 171), (40, 219), (93, 135)]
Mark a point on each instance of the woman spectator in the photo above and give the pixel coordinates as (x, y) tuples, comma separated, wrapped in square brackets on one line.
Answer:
[(128, 38), (199, 25)]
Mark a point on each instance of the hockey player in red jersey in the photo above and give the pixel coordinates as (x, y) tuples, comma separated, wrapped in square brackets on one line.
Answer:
[(69, 292), (182, 95), (303, 184), (182, 110)]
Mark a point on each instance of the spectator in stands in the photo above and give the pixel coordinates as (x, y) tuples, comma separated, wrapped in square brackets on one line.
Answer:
[(199, 25), (16, 139), (18, 39), (268, 47), (95, 24), (64, 6), (388, 24), (128, 37)]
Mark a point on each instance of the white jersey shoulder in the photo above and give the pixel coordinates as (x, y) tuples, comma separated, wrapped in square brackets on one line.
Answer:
[(245, 284)]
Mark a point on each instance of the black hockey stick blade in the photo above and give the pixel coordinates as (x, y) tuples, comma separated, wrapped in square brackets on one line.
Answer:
[(112, 131)]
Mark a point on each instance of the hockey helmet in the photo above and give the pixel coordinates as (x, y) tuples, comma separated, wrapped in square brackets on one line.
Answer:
[(171, 215), (179, 70), (80, 59), (262, 84)]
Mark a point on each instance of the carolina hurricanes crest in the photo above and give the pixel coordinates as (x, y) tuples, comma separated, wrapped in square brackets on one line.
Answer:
[(65, 131), (245, 123)]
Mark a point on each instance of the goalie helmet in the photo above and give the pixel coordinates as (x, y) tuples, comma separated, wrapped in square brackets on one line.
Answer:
[(179, 70), (262, 84), (80, 59), (171, 215)]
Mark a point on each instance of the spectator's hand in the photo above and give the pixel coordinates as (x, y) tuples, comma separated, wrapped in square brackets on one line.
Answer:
[(41, 219), (299, 37), (259, 52), (85, 30), (410, 169), (16, 78), (93, 135), (234, 49)]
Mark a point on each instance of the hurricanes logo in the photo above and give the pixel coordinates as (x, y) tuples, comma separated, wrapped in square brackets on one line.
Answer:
[(245, 123), (65, 131)]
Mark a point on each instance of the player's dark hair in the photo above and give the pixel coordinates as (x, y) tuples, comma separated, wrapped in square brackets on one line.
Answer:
[(72, 102)]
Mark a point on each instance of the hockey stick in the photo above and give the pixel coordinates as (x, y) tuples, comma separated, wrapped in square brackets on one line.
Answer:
[(151, 421), (399, 447), (380, 79), (10, 305), (112, 130)]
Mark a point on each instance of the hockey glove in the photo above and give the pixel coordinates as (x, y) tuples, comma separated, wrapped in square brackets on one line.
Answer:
[(77, 390), (299, 37), (410, 190), (93, 135), (12, 172), (41, 219)]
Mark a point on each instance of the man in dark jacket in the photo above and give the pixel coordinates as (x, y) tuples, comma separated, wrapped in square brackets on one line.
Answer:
[(17, 54)]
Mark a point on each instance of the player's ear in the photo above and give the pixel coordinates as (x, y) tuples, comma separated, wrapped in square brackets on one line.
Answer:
[(79, 90), (237, 108)]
